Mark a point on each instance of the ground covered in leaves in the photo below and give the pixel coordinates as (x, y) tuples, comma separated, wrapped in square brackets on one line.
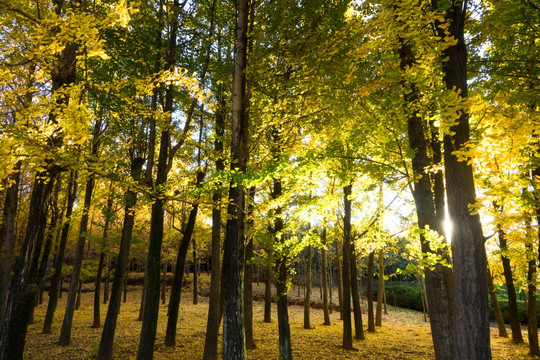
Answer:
[(404, 334)]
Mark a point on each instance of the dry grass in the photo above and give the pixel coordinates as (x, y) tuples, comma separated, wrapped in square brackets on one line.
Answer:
[(404, 335)]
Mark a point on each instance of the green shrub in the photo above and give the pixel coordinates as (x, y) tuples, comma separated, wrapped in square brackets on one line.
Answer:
[(405, 296), (522, 312)]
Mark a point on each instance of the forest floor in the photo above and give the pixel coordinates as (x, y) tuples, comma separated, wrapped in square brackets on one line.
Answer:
[(403, 335)]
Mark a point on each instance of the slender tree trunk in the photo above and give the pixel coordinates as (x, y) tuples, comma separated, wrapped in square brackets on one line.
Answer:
[(8, 235), (307, 298), (74, 285), (248, 278), (55, 213), (233, 269), (97, 292), (532, 321), (331, 274), (107, 215), (214, 316), (380, 290), (495, 306), (176, 290), (345, 303), (357, 310), (268, 295), (340, 282), (324, 271), (107, 336), (55, 287), (151, 299), (195, 273), (371, 319), (107, 279), (164, 281), (65, 332)]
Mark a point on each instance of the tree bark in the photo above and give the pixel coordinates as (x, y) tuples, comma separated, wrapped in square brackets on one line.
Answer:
[(107, 336), (176, 290), (248, 279), (495, 306), (65, 332), (8, 235), (151, 299), (427, 208), (471, 310), (515, 326), (307, 298), (357, 310), (233, 264), (195, 273), (74, 285), (25, 282), (345, 305), (339, 281), (97, 292), (214, 315), (324, 271), (371, 319), (380, 290), (532, 321), (268, 295), (55, 288)]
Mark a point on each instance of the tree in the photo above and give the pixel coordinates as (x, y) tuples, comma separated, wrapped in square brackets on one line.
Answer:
[(233, 255), (471, 310)]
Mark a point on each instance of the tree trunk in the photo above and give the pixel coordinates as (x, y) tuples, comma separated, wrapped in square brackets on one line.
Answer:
[(164, 281), (233, 266), (282, 268), (25, 282), (8, 235), (357, 310), (380, 290), (345, 303), (427, 204), (108, 212), (495, 306), (471, 310), (107, 279), (248, 278), (268, 295), (65, 332), (307, 298), (371, 320), (55, 287), (285, 349), (109, 328), (74, 285), (513, 316), (97, 292), (151, 299), (195, 273), (324, 271), (214, 316), (55, 214), (340, 282), (176, 290), (532, 321)]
